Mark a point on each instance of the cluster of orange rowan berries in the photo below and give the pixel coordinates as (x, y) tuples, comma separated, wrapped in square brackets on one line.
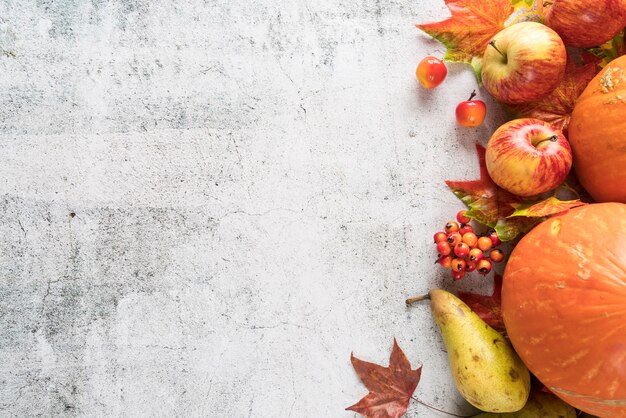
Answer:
[(462, 251)]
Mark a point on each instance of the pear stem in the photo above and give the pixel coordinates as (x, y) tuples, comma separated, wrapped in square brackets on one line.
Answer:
[(493, 44), (411, 301), (440, 410)]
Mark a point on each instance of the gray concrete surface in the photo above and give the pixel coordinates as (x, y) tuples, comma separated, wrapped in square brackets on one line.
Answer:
[(206, 206)]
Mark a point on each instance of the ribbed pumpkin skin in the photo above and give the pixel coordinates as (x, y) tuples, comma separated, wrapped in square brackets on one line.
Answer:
[(597, 134), (564, 306)]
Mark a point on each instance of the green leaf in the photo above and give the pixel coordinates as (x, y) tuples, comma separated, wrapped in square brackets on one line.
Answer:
[(610, 50)]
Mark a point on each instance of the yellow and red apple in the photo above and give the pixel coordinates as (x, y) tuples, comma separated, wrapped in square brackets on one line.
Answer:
[(528, 157), (523, 63), (586, 23)]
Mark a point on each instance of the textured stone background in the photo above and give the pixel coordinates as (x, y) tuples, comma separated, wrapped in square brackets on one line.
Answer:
[(206, 206)]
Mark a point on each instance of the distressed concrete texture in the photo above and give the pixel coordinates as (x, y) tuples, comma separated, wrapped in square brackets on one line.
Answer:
[(205, 206)]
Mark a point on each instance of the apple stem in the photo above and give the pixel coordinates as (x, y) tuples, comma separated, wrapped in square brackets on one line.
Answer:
[(411, 301), (472, 95), (493, 44), (552, 138)]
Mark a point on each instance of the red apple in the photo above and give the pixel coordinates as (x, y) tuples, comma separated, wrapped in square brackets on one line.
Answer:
[(586, 23), (471, 113), (528, 157), (523, 63), (431, 72)]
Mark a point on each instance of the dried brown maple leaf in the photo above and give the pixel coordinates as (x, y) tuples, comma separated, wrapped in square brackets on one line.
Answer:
[(390, 387), (488, 308), (468, 31), (557, 106)]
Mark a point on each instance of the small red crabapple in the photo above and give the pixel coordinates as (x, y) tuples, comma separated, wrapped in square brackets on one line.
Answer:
[(475, 255), (483, 266), (471, 113), (496, 255), (461, 250), (440, 236), (445, 261), (462, 218), (431, 72), (470, 239), (464, 229), (495, 240), (451, 227), (443, 248), (470, 266), (458, 264), (454, 239), (484, 243)]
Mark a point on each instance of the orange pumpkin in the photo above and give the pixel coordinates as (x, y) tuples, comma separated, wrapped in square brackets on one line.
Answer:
[(597, 134), (564, 306)]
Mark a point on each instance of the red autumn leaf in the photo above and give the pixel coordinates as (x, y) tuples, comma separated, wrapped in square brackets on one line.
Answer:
[(508, 214), (468, 31), (490, 204), (557, 107), (488, 308), (606, 52), (390, 387)]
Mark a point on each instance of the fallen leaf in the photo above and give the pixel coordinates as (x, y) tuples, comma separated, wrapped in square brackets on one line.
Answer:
[(490, 204), (488, 308), (518, 4), (610, 50), (468, 31), (556, 108), (390, 387), (547, 207)]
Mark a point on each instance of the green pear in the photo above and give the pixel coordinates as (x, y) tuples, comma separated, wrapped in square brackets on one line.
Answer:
[(487, 371), (539, 405)]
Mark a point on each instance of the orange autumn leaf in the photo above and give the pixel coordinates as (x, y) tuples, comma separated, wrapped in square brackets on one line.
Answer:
[(488, 308), (390, 387), (556, 108), (468, 31), (489, 204), (547, 207), (508, 214)]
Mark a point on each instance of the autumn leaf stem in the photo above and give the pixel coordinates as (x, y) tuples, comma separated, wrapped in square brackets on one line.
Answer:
[(522, 16), (415, 299), (440, 410)]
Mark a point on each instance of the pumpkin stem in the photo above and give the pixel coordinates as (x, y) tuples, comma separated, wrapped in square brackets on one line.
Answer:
[(419, 298), (493, 44)]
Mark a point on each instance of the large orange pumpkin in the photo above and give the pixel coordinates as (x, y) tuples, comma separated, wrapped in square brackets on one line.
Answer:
[(564, 306), (597, 134)]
